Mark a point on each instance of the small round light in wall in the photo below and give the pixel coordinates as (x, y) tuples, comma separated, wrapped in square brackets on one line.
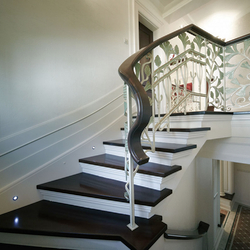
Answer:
[(15, 198), (16, 220), (93, 147)]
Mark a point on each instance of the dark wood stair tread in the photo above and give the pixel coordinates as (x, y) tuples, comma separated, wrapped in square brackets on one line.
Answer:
[(198, 129), (25, 247), (242, 113), (98, 187), (197, 113), (188, 129), (54, 219), (117, 162), (187, 235), (159, 146), (202, 113)]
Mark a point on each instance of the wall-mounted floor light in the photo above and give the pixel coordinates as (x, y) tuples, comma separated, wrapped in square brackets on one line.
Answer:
[(15, 198)]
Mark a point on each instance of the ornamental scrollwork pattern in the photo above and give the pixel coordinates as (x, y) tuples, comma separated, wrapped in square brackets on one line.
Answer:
[(237, 63)]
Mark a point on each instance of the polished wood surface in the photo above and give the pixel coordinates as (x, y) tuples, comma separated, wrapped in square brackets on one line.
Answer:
[(117, 162), (54, 219), (182, 129), (187, 235), (159, 146), (98, 187)]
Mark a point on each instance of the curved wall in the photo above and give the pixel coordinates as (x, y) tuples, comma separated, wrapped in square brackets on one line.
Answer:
[(60, 89)]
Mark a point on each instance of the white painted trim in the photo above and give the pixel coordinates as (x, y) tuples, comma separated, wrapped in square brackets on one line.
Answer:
[(179, 137), (228, 174), (157, 157), (227, 204), (132, 22), (140, 8), (148, 11), (175, 137), (239, 118), (200, 118), (234, 149), (144, 180), (95, 203), (170, 9)]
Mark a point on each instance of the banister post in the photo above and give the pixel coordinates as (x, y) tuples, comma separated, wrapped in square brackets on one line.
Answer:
[(132, 226)]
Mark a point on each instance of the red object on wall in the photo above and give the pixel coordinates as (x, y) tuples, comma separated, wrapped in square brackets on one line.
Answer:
[(189, 86)]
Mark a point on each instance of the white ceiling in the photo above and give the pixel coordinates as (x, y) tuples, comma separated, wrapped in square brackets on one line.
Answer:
[(224, 18)]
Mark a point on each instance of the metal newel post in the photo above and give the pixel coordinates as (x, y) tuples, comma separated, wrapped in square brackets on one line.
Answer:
[(132, 226)]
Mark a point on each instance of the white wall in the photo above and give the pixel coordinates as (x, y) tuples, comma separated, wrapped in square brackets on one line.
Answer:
[(182, 203), (59, 64), (242, 183), (57, 56)]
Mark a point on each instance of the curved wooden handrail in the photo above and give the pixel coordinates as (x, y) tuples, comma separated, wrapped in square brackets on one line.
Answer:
[(126, 71), (143, 111)]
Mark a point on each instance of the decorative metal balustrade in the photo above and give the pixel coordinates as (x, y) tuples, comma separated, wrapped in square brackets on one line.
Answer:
[(237, 64), (187, 70)]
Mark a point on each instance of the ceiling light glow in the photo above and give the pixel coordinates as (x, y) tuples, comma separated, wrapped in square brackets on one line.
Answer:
[(220, 24)]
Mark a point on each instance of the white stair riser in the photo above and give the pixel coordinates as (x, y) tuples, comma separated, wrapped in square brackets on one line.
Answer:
[(60, 242), (227, 204), (220, 124), (95, 203), (157, 157), (175, 137), (149, 181)]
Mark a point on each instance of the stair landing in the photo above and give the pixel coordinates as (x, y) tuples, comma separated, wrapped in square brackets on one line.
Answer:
[(54, 219)]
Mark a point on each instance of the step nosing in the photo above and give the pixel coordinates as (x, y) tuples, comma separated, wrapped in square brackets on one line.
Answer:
[(160, 147), (87, 185), (181, 130), (117, 162)]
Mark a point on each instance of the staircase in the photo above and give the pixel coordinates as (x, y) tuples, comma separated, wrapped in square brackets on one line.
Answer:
[(88, 210)]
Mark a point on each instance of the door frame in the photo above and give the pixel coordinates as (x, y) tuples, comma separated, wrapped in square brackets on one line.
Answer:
[(140, 11)]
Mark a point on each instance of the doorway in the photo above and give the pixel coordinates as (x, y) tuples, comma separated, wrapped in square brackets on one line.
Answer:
[(145, 36)]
